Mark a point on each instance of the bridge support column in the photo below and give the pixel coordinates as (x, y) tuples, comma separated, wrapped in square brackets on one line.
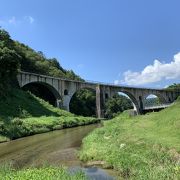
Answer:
[(99, 102), (141, 105), (66, 101), (58, 103)]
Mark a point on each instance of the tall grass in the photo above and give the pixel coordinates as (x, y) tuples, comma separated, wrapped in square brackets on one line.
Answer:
[(142, 147)]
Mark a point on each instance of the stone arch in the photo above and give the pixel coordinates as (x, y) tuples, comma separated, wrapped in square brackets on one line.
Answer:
[(134, 101), (44, 91), (79, 89), (162, 99), (93, 103)]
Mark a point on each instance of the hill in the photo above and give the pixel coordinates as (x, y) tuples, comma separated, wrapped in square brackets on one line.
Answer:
[(31, 60), (142, 147)]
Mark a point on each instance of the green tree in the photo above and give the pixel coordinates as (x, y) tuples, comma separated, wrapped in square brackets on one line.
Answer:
[(9, 63), (116, 104), (84, 103), (5, 40), (155, 101), (174, 86)]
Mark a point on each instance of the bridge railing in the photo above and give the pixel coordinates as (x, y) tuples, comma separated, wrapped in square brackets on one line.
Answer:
[(119, 85)]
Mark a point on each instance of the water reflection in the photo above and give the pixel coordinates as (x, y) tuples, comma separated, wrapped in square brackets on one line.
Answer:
[(93, 173)]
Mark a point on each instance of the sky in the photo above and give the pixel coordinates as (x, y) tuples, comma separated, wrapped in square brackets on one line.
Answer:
[(126, 42)]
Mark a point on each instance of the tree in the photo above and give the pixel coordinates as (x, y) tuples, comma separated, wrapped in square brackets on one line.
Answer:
[(174, 86), (118, 103), (5, 40), (154, 101), (9, 63), (84, 103)]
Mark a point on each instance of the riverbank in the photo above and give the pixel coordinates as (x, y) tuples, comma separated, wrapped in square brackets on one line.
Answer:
[(142, 147), (52, 149), (23, 114), (44, 173)]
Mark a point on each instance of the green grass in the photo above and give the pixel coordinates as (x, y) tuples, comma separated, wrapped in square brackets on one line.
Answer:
[(23, 114), (44, 173), (3, 138), (23, 104), (142, 147)]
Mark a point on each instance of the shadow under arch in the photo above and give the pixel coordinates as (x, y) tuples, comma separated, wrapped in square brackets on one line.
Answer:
[(83, 102), (45, 92)]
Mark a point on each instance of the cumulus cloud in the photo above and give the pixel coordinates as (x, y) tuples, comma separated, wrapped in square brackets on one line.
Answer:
[(153, 73), (116, 82)]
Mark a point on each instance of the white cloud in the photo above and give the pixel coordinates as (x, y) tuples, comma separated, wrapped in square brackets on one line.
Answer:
[(9, 21), (30, 19), (16, 21), (116, 82), (153, 73), (151, 96), (13, 20)]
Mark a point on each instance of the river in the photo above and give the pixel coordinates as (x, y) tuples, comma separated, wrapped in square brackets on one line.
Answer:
[(52, 148)]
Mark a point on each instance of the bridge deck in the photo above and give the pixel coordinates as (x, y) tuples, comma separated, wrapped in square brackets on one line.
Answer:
[(96, 82)]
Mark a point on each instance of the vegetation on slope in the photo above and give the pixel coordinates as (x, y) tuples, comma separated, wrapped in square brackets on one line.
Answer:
[(14, 53), (142, 147), (44, 173), (23, 114), (174, 86)]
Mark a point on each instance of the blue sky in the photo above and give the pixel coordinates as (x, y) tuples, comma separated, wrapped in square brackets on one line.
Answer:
[(129, 42)]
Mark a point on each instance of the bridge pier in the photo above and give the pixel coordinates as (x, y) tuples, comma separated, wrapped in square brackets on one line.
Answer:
[(99, 102), (141, 105), (59, 103), (66, 101)]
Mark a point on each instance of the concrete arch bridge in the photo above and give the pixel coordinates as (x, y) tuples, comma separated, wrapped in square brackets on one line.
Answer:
[(59, 91)]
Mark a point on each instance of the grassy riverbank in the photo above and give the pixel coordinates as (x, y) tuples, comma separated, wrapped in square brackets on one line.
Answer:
[(44, 173), (142, 147), (23, 114)]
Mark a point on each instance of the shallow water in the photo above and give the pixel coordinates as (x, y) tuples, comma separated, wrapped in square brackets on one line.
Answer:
[(52, 148)]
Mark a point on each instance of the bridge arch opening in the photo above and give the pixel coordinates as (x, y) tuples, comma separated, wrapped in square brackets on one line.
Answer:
[(45, 92), (120, 102), (83, 102), (153, 100)]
